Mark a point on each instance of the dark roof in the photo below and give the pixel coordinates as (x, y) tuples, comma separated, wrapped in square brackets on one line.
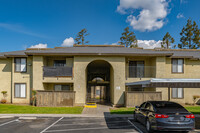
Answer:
[(92, 50), (97, 51)]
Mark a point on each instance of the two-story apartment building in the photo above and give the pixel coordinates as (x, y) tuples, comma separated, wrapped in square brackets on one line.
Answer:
[(101, 72)]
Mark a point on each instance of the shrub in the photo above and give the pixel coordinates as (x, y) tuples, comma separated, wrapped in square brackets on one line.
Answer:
[(3, 101)]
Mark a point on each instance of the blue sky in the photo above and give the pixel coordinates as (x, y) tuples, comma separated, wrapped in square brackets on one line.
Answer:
[(24, 23)]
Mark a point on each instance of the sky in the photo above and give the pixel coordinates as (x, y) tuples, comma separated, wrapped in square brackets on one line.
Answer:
[(55, 23)]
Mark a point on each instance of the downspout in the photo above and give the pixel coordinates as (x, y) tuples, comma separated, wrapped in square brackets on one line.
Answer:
[(168, 93), (11, 81)]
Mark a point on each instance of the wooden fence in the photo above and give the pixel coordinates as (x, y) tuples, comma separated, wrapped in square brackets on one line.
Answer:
[(135, 98), (55, 98)]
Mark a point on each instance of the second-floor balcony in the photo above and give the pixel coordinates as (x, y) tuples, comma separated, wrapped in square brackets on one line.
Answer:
[(141, 71), (59, 71)]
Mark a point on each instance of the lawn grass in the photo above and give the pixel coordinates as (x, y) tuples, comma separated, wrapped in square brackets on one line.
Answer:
[(192, 109), (22, 109), (122, 110)]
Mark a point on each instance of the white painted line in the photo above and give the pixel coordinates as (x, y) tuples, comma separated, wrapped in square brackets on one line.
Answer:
[(80, 129), (135, 127), (51, 125), (8, 122), (81, 123)]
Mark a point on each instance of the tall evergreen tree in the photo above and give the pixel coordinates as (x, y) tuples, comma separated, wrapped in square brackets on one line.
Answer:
[(128, 38), (80, 37), (190, 36), (167, 41)]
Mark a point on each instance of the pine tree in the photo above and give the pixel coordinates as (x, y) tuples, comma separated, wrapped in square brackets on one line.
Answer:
[(80, 37), (167, 41), (128, 38), (190, 36)]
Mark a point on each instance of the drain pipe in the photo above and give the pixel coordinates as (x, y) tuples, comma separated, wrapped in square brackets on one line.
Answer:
[(11, 80)]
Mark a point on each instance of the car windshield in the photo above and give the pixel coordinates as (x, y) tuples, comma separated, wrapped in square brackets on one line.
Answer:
[(167, 105)]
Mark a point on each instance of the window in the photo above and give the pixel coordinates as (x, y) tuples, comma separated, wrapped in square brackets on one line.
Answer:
[(59, 63), (62, 88), (143, 105), (177, 92), (136, 69), (20, 90), (148, 106), (20, 64), (177, 65)]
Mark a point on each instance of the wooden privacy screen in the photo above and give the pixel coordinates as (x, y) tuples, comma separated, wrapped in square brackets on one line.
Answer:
[(55, 98)]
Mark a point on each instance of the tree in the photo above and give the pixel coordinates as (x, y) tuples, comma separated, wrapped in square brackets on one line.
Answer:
[(167, 41), (128, 38), (80, 38), (190, 36)]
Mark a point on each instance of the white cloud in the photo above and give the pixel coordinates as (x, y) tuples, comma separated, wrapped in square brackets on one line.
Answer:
[(40, 45), (149, 44), (68, 42), (183, 1), (180, 15), (151, 16)]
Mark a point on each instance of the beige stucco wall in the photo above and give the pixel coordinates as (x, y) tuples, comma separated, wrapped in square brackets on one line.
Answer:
[(38, 72), (26, 78), (49, 61), (118, 65), (5, 78), (51, 86), (188, 94)]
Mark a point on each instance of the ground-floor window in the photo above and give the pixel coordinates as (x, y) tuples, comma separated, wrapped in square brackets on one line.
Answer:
[(20, 90), (177, 92), (62, 87)]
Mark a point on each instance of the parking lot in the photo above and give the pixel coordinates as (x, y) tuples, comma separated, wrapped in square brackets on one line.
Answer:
[(72, 125)]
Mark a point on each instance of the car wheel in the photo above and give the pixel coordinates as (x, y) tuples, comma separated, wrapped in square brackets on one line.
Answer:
[(148, 126), (134, 117)]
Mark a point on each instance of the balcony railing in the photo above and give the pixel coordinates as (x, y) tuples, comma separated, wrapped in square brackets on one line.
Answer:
[(141, 71), (57, 71)]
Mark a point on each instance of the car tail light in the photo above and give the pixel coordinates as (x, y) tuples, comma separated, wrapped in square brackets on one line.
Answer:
[(190, 116), (161, 116)]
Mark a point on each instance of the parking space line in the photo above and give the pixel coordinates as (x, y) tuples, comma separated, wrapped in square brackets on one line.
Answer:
[(51, 125), (67, 130), (80, 123), (80, 129), (135, 127), (8, 122)]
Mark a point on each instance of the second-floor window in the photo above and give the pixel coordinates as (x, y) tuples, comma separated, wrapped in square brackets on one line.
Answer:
[(136, 69), (177, 65), (20, 65), (59, 63)]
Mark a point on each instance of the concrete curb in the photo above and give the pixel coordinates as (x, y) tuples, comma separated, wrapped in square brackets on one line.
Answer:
[(67, 115), (64, 115)]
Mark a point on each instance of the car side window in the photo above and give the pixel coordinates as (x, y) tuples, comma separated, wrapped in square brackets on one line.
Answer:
[(148, 106), (142, 105)]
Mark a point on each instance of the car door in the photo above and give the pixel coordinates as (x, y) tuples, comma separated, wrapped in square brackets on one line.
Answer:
[(141, 111), (145, 112)]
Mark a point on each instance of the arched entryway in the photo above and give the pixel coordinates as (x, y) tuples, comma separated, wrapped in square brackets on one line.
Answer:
[(98, 82)]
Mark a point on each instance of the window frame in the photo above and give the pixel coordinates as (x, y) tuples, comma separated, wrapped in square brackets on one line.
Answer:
[(136, 70), (20, 64), (177, 94), (177, 65), (20, 90)]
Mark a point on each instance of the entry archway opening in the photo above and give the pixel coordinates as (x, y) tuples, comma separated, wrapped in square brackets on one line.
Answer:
[(98, 82)]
